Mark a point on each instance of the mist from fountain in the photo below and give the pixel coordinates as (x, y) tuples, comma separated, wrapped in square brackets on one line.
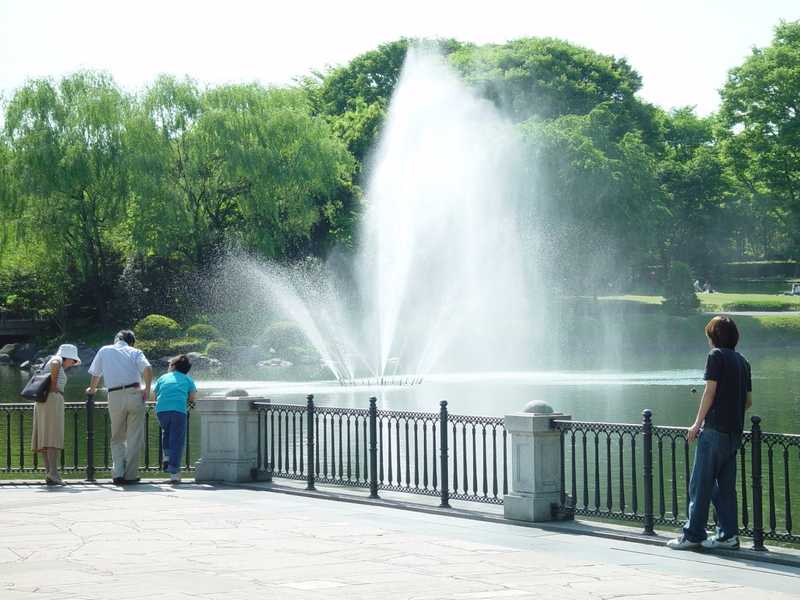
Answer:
[(437, 279)]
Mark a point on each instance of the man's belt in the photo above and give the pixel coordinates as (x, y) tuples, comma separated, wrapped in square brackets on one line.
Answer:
[(123, 387)]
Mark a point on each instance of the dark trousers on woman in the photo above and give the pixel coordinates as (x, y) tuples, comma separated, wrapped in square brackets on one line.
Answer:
[(713, 480), (173, 436)]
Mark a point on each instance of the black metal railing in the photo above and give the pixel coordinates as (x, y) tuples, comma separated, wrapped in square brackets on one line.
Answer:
[(87, 437), (437, 454), (601, 477)]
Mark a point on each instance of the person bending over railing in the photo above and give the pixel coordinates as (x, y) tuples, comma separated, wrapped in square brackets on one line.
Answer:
[(173, 391)]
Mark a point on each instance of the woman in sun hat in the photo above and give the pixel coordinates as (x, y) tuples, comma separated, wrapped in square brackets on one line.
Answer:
[(48, 416)]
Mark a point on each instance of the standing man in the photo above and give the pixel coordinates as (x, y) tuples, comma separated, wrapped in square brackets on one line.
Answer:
[(728, 394), (122, 367)]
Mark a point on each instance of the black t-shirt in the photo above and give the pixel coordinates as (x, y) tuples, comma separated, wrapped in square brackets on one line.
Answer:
[(732, 373)]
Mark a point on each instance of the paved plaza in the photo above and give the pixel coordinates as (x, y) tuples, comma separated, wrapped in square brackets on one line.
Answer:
[(196, 542)]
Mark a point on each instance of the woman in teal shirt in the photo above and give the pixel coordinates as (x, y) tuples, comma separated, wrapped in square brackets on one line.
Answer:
[(173, 391)]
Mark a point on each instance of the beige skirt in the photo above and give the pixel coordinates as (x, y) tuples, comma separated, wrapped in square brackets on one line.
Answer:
[(48, 423)]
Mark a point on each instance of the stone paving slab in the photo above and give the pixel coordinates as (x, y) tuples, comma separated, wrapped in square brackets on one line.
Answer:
[(195, 542)]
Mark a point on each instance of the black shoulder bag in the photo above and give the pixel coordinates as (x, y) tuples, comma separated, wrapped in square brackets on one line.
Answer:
[(38, 385)]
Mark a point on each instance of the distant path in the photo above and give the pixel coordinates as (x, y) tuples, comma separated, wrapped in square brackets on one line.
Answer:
[(756, 313)]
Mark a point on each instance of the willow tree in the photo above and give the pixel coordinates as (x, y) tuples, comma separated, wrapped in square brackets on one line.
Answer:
[(70, 185), (236, 162)]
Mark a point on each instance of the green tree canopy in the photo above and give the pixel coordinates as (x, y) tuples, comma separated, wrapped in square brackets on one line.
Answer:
[(761, 109), (699, 193), (65, 144), (548, 78), (235, 162)]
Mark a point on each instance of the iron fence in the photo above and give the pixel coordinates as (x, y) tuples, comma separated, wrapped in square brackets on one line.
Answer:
[(641, 472), (618, 471), (87, 437), (436, 454)]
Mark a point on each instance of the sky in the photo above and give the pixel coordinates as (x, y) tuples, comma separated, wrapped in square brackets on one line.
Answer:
[(683, 49)]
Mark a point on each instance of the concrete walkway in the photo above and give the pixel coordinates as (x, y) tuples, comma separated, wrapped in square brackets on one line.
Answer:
[(202, 542)]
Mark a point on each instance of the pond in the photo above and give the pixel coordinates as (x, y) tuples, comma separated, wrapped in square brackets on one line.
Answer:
[(662, 383)]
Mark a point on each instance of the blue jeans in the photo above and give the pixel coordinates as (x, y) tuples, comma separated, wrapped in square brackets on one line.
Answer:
[(713, 480), (173, 436)]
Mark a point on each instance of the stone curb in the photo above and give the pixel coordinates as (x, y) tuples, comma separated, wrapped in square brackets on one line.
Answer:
[(617, 533)]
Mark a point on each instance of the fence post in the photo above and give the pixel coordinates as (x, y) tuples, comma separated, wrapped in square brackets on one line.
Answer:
[(373, 448), (90, 437), (758, 513), (310, 443), (647, 434), (445, 478)]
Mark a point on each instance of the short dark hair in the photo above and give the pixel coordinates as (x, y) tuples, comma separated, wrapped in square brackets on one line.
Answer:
[(180, 363), (722, 332), (126, 335)]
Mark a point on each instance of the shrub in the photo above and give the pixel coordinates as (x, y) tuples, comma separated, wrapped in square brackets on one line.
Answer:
[(679, 295), (218, 349), (157, 327), (203, 331), (284, 334)]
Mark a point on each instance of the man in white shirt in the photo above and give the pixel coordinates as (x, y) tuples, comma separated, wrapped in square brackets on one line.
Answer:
[(122, 368)]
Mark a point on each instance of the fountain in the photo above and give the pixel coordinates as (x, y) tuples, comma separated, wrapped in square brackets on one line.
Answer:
[(437, 280)]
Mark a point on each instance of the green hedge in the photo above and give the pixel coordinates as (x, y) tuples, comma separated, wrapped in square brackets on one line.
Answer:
[(161, 348), (761, 269), (218, 349), (203, 331)]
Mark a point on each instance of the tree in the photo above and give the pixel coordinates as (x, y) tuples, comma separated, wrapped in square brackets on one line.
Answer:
[(679, 296), (236, 162), (594, 199), (356, 96), (548, 78), (71, 188), (699, 229), (761, 109)]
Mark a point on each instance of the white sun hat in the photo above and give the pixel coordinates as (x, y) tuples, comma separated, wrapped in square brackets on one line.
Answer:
[(68, 351)]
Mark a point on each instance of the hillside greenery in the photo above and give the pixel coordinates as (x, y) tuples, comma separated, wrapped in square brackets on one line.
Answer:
[(104, 191)]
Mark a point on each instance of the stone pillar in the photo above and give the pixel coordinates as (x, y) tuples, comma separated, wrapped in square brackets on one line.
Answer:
[(229, 439), (535, 464)]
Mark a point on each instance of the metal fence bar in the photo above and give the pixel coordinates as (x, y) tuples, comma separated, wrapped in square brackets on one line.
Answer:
[(90, 437), (310, 441), (758, 514), (444, 496), (647, 431), (80, 454)]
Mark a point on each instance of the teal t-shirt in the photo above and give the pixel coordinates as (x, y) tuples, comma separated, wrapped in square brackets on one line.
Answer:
[(172, 391)]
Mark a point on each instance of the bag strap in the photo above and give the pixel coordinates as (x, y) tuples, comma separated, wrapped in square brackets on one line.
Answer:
[(43, 369)]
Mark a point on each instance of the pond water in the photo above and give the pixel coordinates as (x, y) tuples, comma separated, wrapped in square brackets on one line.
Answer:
[(661, 383)]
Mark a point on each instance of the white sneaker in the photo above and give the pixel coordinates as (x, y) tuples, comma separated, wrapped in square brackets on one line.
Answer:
[(175, 478), (714, 542), (682, 543)]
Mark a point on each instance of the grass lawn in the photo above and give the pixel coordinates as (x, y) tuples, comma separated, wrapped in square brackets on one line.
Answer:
[(718, 302), (634, 298), (742, 302)]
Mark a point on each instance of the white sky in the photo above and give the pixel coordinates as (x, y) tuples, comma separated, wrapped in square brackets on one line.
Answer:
[(682, 48)]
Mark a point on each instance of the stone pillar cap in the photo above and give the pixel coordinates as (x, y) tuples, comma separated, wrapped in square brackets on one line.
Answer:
[(538, 407)]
